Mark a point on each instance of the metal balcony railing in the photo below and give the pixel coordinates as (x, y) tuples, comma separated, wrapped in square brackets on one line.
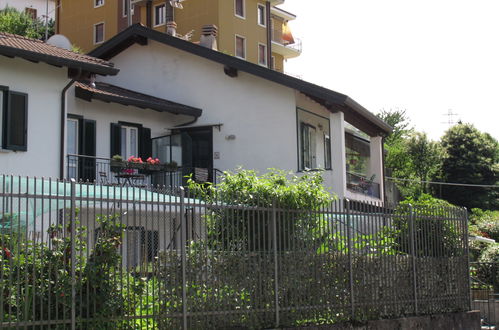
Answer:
[(277, 36), (105, 171)]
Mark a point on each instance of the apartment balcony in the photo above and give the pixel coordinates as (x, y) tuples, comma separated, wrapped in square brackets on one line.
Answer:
[(284, 47), (105, 171)]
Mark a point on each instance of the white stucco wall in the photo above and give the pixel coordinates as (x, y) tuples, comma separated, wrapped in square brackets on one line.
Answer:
[(39, 5), (43, 84), (261, 114)]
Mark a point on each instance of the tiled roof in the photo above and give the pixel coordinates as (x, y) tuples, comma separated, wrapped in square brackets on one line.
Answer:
[(111, 93), (35, 50)]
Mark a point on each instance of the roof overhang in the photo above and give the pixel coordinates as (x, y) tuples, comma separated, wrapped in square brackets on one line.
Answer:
[(119, 95), (80, 67), (282, 13), (333, 101)]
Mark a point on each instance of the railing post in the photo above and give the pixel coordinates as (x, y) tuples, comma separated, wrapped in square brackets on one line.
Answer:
[(276, 268), (183, 239), (412, 248), (73, 252), (350, 261)]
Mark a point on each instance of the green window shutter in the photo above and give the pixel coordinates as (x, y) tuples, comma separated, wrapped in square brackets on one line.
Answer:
[(16, 122), (115, 139), (145, 143)]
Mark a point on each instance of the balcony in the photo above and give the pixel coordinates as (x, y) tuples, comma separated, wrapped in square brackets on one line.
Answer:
[(361, 185), (284, 47), (107, 172)]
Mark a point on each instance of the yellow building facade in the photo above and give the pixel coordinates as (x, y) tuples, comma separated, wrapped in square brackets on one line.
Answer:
[(243, 25)]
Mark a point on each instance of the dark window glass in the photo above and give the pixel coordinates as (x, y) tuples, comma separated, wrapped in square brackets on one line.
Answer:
[(239, 8), (99, 33)]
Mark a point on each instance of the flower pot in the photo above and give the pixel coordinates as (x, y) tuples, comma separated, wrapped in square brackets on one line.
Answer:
[(137, 166), (117, 166), (155, 167)]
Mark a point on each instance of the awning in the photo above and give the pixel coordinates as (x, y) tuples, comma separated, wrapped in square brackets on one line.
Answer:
[(111, 93)]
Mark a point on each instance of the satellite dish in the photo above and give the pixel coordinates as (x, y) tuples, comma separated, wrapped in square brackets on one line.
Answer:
[(60, 41)]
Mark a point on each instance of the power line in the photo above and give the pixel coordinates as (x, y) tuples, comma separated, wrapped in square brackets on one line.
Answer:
[(447, 183)]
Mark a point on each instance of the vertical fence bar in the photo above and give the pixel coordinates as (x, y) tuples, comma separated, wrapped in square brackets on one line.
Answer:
[(183, 256), (465, 219), (73, 253), (412, 247), (350, 261), (276, 269)]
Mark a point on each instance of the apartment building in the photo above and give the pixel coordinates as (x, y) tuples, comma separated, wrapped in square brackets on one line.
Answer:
[(253, 30)]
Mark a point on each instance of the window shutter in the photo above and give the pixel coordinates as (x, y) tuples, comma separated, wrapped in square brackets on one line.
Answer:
[(16, 126), (145, 143), (88, 138), (115, 139)]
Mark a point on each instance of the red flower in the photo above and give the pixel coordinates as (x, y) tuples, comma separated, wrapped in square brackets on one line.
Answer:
[(7, 253)]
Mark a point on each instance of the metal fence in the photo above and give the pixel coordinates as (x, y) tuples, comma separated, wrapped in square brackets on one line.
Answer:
[(95, 256), (485, 292)]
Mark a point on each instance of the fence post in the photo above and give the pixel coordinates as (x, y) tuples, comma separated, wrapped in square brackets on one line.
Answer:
[(412, 248), (73, 252), (276, 269), (350, 262), (183, 238), (467, 252)]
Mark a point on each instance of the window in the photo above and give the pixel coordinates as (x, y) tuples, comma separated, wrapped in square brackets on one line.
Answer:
[(129, 142), (130, 139), (262, 54), (308, 146), (125, 8), (262, 18), (358, 153), (159, 15), (239, 8), (240, 47), (314, 143), (72, 142), (98, 3), (327, 152), (14, 121), (31, 12), (98, 33)]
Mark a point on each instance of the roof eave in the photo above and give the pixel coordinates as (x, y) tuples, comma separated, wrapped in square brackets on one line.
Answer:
[(58, 61)]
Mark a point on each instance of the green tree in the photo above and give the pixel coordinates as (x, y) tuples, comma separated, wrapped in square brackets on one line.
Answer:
[(425, 159), (15, 22), (471, 157)]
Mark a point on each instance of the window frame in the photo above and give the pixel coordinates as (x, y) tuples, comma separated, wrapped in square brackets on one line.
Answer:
[(321, 129), (235, 46), (265, 62), (31, 12), (243, 2), (99, 3), (327, 152), (7, 126), (156, 16), (103, 33), (264, 14)]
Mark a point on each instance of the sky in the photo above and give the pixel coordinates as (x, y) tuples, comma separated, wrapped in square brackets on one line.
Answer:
[(427, 57)]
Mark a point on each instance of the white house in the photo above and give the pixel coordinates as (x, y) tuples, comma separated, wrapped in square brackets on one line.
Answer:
[(35, 8), (184, 102)]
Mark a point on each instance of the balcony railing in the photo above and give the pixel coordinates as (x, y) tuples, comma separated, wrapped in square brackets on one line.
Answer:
[(104, 171), (277, 36), (362, 185)]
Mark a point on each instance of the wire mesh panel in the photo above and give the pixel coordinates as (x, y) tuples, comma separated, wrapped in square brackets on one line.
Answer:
[(93, 256)]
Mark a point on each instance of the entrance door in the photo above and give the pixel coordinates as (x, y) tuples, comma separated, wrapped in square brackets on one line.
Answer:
[(197, 153)]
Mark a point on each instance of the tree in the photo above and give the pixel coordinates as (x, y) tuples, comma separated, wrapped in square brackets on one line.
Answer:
[(425, 159), (15, 22), (471, 157)]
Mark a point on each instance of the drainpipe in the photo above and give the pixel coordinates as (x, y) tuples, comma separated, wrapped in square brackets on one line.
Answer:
[(170, 15), (385, 199), (149, 14), (269, 35), (63, 130)]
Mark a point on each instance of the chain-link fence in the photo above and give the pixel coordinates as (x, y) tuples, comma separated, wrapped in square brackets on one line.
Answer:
[(106, 256)]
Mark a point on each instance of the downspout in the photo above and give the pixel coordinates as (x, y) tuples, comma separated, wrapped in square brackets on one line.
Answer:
[(58, 16), (149, 14), (269, 35), (63, 129)]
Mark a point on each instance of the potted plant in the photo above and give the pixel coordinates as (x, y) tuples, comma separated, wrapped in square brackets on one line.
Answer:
[(153, 164), (117, 163), (135, 163), (171, 166)]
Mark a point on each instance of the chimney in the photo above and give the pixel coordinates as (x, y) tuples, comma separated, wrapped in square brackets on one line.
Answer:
[(171, 28), (209, 36)]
